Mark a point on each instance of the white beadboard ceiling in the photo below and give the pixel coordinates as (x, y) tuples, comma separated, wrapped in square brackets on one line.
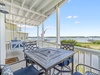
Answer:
[(31, 12)]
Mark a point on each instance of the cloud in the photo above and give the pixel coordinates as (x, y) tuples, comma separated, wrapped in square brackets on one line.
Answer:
[(75, 16), (69, 17), (77, 22), (49, 27)]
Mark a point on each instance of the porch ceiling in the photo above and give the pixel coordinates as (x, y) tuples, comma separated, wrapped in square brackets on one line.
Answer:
[(30, 12)]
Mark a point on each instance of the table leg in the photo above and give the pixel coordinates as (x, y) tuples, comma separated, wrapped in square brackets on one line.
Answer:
[(48, 72)]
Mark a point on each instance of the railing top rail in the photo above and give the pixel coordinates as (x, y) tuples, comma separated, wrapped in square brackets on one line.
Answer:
[(87, 50)]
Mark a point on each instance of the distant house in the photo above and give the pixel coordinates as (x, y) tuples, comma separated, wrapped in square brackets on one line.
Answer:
[(13, 32)]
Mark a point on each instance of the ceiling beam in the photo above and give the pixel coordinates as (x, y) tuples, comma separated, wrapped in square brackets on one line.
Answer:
[(32, 20), (24, 17), (10, 9), (36, 23), (23, 2), (22, 8), (51, 6), (31, 6), (41, 6), (32, 15)]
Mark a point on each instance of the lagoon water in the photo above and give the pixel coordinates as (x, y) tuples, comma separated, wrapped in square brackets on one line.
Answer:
[(79, 39)]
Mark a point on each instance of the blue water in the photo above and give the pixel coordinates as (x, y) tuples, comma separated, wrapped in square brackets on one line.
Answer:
[(77, 39)]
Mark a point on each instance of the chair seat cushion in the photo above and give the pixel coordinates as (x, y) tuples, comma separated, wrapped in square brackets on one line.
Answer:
[(66, 62), (77, 73), (30, 70), (7, 71)]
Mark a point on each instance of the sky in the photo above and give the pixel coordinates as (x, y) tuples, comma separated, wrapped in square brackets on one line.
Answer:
[(77, 18)]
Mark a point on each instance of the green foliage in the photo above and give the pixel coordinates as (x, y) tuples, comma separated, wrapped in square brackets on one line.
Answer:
[(63, 41), (96, 42), (69, 41), (78, 44)]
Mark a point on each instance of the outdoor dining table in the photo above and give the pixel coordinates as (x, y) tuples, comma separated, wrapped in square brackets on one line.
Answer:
[(47, 58)]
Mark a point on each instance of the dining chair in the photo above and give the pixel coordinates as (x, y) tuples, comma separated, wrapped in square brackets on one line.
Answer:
[(28, 46), (87, 72), (29, 70), (67, 62)]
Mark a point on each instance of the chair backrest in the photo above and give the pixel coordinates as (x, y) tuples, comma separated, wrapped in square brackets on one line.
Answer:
[(68, 46), (0, 70), (29, 46)]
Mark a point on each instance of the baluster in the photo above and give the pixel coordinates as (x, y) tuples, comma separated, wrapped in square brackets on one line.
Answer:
[(78, 58), (90, 61), (48, 44), (99, 63), (84, 61)]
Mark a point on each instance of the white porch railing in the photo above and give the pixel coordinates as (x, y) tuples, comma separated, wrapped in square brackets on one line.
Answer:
[(14, 45), (7, 45), (87, 56)]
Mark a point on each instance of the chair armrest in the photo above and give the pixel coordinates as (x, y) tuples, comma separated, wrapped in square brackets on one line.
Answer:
[(87, 66), (2, 65), (41, 73)]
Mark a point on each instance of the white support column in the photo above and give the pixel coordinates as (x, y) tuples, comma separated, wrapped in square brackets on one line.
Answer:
[(37, 35), (2, 39), (42, 33), (57, 26)]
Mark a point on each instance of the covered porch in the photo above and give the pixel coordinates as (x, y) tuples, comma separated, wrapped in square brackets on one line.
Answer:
[(27, 12), (34, 13)]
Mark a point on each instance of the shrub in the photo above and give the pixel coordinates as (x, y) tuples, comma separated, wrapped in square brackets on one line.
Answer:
[(69, 41), (63, 41), (78, 44), (96, 42)]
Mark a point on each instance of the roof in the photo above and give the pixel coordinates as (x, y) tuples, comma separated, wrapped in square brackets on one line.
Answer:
[(31, 12)]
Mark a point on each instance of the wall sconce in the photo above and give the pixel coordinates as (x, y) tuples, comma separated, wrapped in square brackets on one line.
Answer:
[(3, 8)]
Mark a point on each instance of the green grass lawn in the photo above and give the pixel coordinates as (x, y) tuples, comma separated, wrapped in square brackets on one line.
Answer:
[(90, 45)]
